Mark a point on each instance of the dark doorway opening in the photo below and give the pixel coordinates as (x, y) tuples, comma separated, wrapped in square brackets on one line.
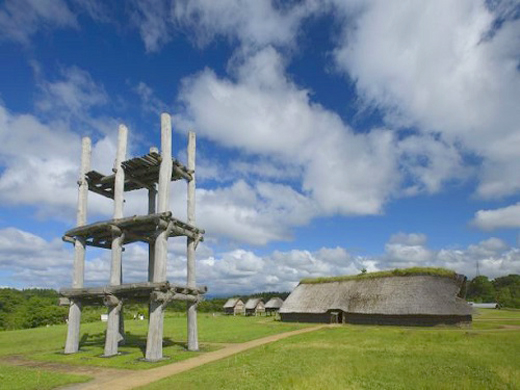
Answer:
[(336, 317)]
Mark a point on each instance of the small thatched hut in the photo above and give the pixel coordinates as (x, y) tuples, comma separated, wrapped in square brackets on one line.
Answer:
[(415, 296), (234, 306), (273, 305), (255, 306)]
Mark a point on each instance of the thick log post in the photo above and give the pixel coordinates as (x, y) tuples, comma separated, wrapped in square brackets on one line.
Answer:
[(114, 336), (152, 200), (155, 328), (193, 340), (72, 343)]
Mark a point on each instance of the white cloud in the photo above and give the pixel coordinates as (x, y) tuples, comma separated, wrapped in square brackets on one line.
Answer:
[(152, 17), (40, 164), (506, 217), (37, 262), (253, 23), (494, 256), (407, 250), (265, 114), (20, 19), (73, 93), (445, 68), (32, 260), (252, 214)]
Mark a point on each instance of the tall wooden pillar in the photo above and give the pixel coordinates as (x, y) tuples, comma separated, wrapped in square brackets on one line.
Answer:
[(114, 336), (155, 329), (72, 343), (152, 207), (193, 340)]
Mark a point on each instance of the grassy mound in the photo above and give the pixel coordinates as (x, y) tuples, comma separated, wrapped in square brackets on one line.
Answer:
[(384, 274)]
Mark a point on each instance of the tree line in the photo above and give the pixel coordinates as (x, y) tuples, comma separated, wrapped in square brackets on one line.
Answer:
[(504, 290), (31, 308)]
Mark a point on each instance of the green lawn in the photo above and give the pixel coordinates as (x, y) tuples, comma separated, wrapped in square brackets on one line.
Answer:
[(47, 343), (22, 378), (484, 356), (369, 357)]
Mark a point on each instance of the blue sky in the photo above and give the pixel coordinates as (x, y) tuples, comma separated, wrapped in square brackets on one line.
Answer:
[(332, 135)]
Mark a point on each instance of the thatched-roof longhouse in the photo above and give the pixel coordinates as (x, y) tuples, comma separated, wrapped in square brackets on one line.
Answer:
[(416, 299), (255, 306), (234, 306), (273, 305)]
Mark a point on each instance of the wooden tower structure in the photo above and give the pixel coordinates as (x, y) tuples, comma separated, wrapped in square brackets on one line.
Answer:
[(153, 172)]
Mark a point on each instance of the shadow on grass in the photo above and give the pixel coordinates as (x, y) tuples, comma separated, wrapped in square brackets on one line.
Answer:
[(131, 341)]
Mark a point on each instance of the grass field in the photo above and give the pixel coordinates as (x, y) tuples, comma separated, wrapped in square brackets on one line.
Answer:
[(22, 378), (46, 344), (487, 356)]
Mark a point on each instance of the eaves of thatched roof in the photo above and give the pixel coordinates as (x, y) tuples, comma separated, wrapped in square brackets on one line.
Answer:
[(252, 303), (231, 302), (274, 303), (396, 295)]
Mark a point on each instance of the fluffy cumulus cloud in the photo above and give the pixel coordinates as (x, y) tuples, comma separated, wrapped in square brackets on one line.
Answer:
[(33, 261), (494, 256), (40, 152), (40, 160), (445, 68), (261, 112), (506, 217), (448, 70)]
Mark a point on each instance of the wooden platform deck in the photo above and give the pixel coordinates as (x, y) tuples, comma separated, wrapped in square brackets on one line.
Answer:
[(142, 228), (140, 172)]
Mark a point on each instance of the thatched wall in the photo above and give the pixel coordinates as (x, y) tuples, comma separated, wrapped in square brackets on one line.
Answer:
[(410, 300)]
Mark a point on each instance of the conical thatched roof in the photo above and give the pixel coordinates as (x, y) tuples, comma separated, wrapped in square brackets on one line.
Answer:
[(252, 303), (274, 303), (391, 295), (231, 302)]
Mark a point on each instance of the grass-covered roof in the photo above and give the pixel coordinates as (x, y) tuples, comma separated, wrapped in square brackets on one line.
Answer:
[(384, 274)]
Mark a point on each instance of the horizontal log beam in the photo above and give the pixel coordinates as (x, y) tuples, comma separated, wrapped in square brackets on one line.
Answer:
[(131, 289), (167, 297), (107, 194), (120, 223)]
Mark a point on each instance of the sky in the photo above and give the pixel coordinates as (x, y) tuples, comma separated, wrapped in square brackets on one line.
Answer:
[(332, 136)]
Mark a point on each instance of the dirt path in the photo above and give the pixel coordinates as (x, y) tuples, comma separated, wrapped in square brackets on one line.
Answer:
[(99, 374), (125, 379)]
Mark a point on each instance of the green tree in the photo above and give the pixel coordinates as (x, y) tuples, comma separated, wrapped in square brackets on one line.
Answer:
[(481, 289)]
